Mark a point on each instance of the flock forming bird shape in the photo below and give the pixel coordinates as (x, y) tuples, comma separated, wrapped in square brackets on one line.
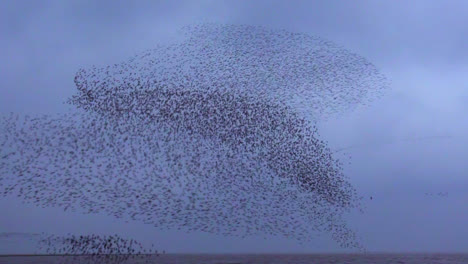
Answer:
[(215, 133)]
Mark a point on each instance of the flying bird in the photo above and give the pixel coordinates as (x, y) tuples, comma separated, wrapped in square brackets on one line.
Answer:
[(216, 134)]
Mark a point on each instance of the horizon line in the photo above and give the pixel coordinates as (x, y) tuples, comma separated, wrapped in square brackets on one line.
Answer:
[(238, 253)]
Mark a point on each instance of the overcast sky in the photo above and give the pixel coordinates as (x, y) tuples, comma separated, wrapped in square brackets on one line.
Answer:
[(421, 45)]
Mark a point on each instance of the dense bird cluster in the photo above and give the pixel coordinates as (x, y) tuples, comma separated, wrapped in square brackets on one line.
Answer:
[(168, 180), (86, 248), (314, 76), (215, 134), (96, 249)]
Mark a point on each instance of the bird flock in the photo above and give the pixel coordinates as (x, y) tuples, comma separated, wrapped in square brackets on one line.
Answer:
[(88, 248), (96, 249), (215, 133)]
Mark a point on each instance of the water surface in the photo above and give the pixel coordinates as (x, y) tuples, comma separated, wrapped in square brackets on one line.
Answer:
[(429, 258)]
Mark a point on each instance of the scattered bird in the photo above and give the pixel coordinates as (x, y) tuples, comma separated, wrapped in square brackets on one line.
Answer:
[(214, 134), (440, 194)]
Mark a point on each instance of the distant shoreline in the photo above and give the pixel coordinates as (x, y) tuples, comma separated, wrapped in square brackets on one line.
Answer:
[(234, 254), (71, 255)]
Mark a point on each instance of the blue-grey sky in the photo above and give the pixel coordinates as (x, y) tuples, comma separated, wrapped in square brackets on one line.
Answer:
[(421, 45)]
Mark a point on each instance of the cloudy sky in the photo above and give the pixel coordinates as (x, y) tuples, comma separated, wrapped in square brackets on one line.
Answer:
[(412, 141)]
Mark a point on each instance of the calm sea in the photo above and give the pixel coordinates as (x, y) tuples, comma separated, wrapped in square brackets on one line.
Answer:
[(261, 259)]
